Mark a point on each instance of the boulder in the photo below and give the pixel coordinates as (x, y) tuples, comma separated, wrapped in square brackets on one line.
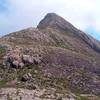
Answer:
[(37, 60), (26, 77), (15, 64), (27, 59), (21, 65)]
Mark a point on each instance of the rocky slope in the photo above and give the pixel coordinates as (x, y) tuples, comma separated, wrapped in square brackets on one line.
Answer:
[(54, 55)]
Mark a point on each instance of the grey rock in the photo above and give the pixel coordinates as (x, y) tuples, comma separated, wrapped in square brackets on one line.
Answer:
[(15, 58), (26, 77)]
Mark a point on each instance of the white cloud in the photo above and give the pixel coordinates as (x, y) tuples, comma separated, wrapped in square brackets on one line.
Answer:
[(27, 13)]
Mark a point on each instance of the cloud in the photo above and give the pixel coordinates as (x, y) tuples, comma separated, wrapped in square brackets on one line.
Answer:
[(21, 14)]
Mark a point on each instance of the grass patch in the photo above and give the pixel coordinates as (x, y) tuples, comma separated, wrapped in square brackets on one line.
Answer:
[(8, 97), (2, 83), (82, 98), (2, 50)]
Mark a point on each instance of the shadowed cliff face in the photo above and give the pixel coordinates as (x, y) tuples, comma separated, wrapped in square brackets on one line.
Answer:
[(69, 57)]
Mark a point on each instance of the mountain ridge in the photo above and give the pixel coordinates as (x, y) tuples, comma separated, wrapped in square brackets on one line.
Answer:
[(54, 55), (53, 20)]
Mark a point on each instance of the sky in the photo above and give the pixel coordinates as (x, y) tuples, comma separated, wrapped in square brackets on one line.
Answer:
[(20, 14)]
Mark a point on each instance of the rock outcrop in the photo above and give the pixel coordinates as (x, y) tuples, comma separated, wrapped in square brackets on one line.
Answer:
[(15, 58)]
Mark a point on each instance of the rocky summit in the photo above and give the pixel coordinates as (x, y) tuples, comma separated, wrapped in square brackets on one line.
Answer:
[(54, 61)]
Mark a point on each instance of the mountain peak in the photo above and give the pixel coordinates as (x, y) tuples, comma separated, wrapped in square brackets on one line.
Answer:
[(51, 14), (55, 21), (48, 20)]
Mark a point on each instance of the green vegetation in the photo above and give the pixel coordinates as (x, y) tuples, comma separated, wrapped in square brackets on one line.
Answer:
[(2, 83), (8, 97), (2, 50), (82, 98), (79, 97)]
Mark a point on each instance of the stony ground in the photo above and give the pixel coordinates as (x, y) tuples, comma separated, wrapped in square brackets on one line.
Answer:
[(39, 94)]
